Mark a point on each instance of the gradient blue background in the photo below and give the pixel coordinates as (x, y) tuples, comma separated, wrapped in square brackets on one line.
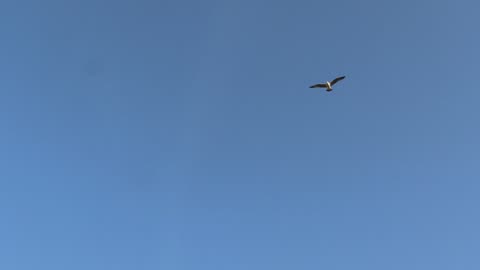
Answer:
[(183, 135)]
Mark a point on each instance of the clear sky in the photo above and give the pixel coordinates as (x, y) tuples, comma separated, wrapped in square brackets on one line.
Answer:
[(182, 135)]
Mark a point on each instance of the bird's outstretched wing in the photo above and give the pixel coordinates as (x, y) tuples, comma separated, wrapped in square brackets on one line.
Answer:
[(337, 79), (319, 85)]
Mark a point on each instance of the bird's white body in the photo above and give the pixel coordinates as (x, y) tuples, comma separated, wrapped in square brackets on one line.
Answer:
[(329, 86)]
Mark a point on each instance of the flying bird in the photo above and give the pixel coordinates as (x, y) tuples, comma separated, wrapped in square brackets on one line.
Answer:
[(328, 84)]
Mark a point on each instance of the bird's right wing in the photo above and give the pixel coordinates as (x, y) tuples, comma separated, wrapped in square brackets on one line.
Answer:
[(320, 85), (337, 79)]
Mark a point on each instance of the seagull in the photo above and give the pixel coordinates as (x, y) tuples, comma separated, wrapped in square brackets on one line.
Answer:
[(328, 84)]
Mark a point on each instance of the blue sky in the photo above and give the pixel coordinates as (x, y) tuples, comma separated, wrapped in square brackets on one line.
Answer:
[(183, 135)]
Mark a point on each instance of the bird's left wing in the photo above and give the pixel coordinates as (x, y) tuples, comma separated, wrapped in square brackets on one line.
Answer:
[(320, 85)]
